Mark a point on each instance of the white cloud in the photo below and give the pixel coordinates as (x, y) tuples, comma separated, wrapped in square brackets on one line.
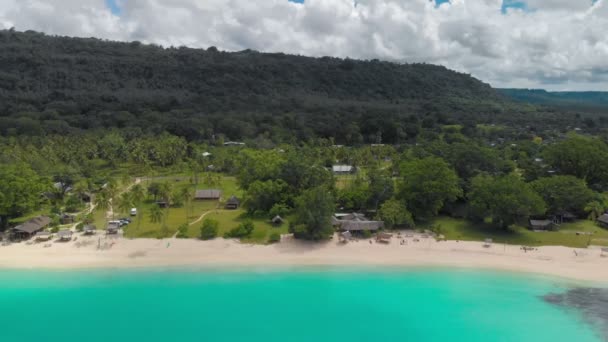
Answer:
[(558, 44)]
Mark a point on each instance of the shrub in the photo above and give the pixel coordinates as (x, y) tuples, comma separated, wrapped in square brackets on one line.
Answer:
[(243, 230), (182, 231), (54, 229), (274, 238), (209, 229), (80, 227), (367, 234), (73, 204), (279, 209)]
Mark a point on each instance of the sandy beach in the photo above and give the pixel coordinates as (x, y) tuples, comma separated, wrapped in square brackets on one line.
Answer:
[(101, 252)]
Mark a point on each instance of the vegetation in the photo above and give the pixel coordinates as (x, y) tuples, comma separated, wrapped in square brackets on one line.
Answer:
[(313, 212), (82, 118), (209, 229)]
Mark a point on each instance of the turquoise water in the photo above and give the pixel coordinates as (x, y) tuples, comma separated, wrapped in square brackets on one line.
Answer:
[(283, 305)]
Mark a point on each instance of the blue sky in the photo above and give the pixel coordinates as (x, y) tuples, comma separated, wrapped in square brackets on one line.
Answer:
[(113, 5)]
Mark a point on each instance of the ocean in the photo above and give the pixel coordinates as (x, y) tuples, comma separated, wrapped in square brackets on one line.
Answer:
[(300, 304)]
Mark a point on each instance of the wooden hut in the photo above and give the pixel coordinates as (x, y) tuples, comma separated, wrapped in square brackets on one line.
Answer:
[(208, 195), (232, 203), (277, 220), (28, 229), (541, 225), (384, 237), (43, 236), (603, 221), (65, 235), (66, 219)]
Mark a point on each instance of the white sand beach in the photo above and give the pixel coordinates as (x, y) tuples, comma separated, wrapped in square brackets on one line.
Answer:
[(576, 264)]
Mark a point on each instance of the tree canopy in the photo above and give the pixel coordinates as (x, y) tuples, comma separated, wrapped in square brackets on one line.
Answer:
[(427, 184)]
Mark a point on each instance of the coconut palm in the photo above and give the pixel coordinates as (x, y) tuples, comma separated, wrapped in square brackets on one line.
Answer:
[(185, 196), (125, 202), (156, 214), (138, 194), (103, 202)]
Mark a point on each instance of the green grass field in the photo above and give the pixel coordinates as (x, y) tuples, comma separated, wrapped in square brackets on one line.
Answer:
[(143, 227), (459, 229)]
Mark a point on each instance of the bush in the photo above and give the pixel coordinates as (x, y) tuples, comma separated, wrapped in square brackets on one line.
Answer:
[(279, 209), (274, 238), (73, 204), (80, 227), (209, 229), (55, 229), (182, 231), (243, 230), (367, 234)]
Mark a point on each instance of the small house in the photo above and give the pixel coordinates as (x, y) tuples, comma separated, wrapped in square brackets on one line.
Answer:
[(29, 228), (208, 194), (65, 235), (565, 216), (541, 224), (277, 220), (343, 169), (384, 237), (66, 219), (162, 204), (43, 236), (232, 203), (603, 221)]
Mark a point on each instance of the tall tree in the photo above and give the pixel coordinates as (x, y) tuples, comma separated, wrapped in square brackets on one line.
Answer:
[(156, 214), (20, 191), (426, 185), (563, 193), (506, 199), (313, 212)]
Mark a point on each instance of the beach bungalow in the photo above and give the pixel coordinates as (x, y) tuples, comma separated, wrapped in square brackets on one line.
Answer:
[(234, 143), (355, 222), (232, 203), (343, 169), (208, 195), (541, 225), (564, 216), (66, 218), (603, 221), (113, 227), (384, 237), (30, 228), (89, 229), (277, 220), (487, 243), (43, 236), (65, 235)]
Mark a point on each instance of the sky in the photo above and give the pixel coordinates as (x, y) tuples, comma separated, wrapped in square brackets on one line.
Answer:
[(549, 44)]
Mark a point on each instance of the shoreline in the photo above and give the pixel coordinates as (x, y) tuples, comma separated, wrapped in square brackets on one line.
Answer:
[(580, 265)]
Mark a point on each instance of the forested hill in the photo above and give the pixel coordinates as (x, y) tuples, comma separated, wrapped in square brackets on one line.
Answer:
[(60, 85), (595, 101)]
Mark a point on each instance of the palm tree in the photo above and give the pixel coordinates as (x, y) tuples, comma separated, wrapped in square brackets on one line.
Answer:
[(125, 202), (138, 193), (595, 210), (186, 197), (103, 202), (156, 214)]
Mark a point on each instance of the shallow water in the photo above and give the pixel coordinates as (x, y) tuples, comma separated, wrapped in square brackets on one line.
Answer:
[(288, 305)]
